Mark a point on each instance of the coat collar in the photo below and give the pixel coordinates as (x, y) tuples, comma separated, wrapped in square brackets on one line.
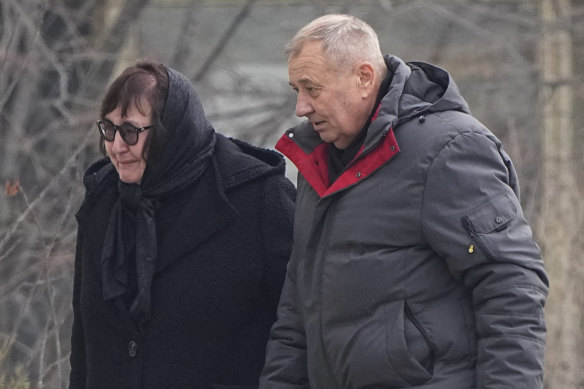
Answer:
[(313, 164)]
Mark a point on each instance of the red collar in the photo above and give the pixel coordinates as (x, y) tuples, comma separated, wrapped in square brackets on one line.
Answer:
[(313, 165)]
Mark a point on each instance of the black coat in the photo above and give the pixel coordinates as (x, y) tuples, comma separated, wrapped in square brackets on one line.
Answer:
[(223, 246)]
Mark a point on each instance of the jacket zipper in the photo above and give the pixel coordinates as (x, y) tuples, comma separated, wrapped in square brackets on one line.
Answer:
[(474, 235), (325, 233)]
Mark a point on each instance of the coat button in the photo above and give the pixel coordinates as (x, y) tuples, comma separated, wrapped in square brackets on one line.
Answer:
[(358, 174), (498, 220), (132, 348)]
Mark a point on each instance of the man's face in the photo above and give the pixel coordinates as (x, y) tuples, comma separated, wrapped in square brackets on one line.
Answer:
[(334, 100)]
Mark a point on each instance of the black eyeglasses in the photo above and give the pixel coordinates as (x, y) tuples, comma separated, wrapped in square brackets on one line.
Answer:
[(128, 132)]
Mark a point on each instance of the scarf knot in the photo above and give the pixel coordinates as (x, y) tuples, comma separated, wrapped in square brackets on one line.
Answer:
[(130, 195)]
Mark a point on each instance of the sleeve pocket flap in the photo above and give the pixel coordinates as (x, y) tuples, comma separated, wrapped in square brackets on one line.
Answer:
[(494, 215)]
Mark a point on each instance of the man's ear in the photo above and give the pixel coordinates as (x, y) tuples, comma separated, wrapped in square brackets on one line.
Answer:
[(366, 78)]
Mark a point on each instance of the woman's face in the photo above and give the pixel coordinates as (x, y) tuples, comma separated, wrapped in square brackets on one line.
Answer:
[(128, 160)]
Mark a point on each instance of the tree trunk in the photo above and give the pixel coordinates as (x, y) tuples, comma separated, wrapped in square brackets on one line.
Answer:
[(559, 218)]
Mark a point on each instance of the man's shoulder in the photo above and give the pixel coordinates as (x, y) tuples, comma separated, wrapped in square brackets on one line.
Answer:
[(440, 127)]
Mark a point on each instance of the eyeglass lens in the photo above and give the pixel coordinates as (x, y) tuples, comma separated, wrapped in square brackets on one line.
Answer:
[(128, 132)]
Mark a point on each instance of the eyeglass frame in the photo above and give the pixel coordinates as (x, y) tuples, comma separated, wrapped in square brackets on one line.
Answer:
[(117, 128)]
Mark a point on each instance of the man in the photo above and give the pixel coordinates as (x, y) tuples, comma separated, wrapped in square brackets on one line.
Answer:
[(413, 265)]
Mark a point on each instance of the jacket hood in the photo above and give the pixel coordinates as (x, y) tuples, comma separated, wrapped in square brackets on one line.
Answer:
[(416, 89)]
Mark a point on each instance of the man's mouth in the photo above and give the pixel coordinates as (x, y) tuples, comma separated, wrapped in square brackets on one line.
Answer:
[(317, 124)]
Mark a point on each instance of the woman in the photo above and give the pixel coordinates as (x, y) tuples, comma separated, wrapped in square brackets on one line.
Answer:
[(183, 240)]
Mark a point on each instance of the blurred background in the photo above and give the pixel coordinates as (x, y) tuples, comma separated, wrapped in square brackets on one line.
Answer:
[(519, 63)]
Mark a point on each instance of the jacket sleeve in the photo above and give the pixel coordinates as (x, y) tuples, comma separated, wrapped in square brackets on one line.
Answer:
[(77, 357), (276, 223), (285, 366), (472, 218)]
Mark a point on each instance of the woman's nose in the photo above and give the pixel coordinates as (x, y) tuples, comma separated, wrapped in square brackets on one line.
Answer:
[(118, 144)]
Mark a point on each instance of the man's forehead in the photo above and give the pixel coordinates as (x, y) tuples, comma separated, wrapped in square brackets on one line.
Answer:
[(302, 81), (308, 71)]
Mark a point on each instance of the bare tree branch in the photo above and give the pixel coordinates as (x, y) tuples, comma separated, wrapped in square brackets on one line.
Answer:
[(222, 43)]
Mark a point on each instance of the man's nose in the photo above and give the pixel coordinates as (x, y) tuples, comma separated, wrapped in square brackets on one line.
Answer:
[(303, 106)]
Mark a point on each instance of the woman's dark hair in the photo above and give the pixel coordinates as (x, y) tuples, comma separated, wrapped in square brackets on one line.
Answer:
[(143, 83)]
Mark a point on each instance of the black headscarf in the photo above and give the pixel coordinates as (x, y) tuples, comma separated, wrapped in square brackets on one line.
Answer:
[(132, 225)]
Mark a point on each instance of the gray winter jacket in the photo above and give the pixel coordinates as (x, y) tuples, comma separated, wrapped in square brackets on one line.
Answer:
[(416, 268)]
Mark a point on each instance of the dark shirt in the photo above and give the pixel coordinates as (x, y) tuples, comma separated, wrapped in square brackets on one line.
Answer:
[(338, 159)]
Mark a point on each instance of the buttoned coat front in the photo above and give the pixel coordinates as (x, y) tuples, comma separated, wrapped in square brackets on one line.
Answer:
[(224, 242)]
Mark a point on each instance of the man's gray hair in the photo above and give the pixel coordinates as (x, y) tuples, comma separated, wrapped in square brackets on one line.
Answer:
[(346, 41)]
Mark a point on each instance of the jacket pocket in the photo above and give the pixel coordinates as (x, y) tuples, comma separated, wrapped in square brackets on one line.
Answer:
[(408, 350), (484, 222), (417, 341), (373, 352)]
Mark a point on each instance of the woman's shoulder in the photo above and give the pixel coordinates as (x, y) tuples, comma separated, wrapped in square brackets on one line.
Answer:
[(99, 177), (239, 162), (98, 173)]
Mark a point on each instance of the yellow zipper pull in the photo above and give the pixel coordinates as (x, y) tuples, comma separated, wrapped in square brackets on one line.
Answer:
[(471, 249)]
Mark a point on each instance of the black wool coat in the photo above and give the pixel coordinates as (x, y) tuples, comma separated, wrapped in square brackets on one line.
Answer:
[(223, 245)]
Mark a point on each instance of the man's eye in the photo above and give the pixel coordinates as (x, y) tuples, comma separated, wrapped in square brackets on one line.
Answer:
[(313, 91)]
